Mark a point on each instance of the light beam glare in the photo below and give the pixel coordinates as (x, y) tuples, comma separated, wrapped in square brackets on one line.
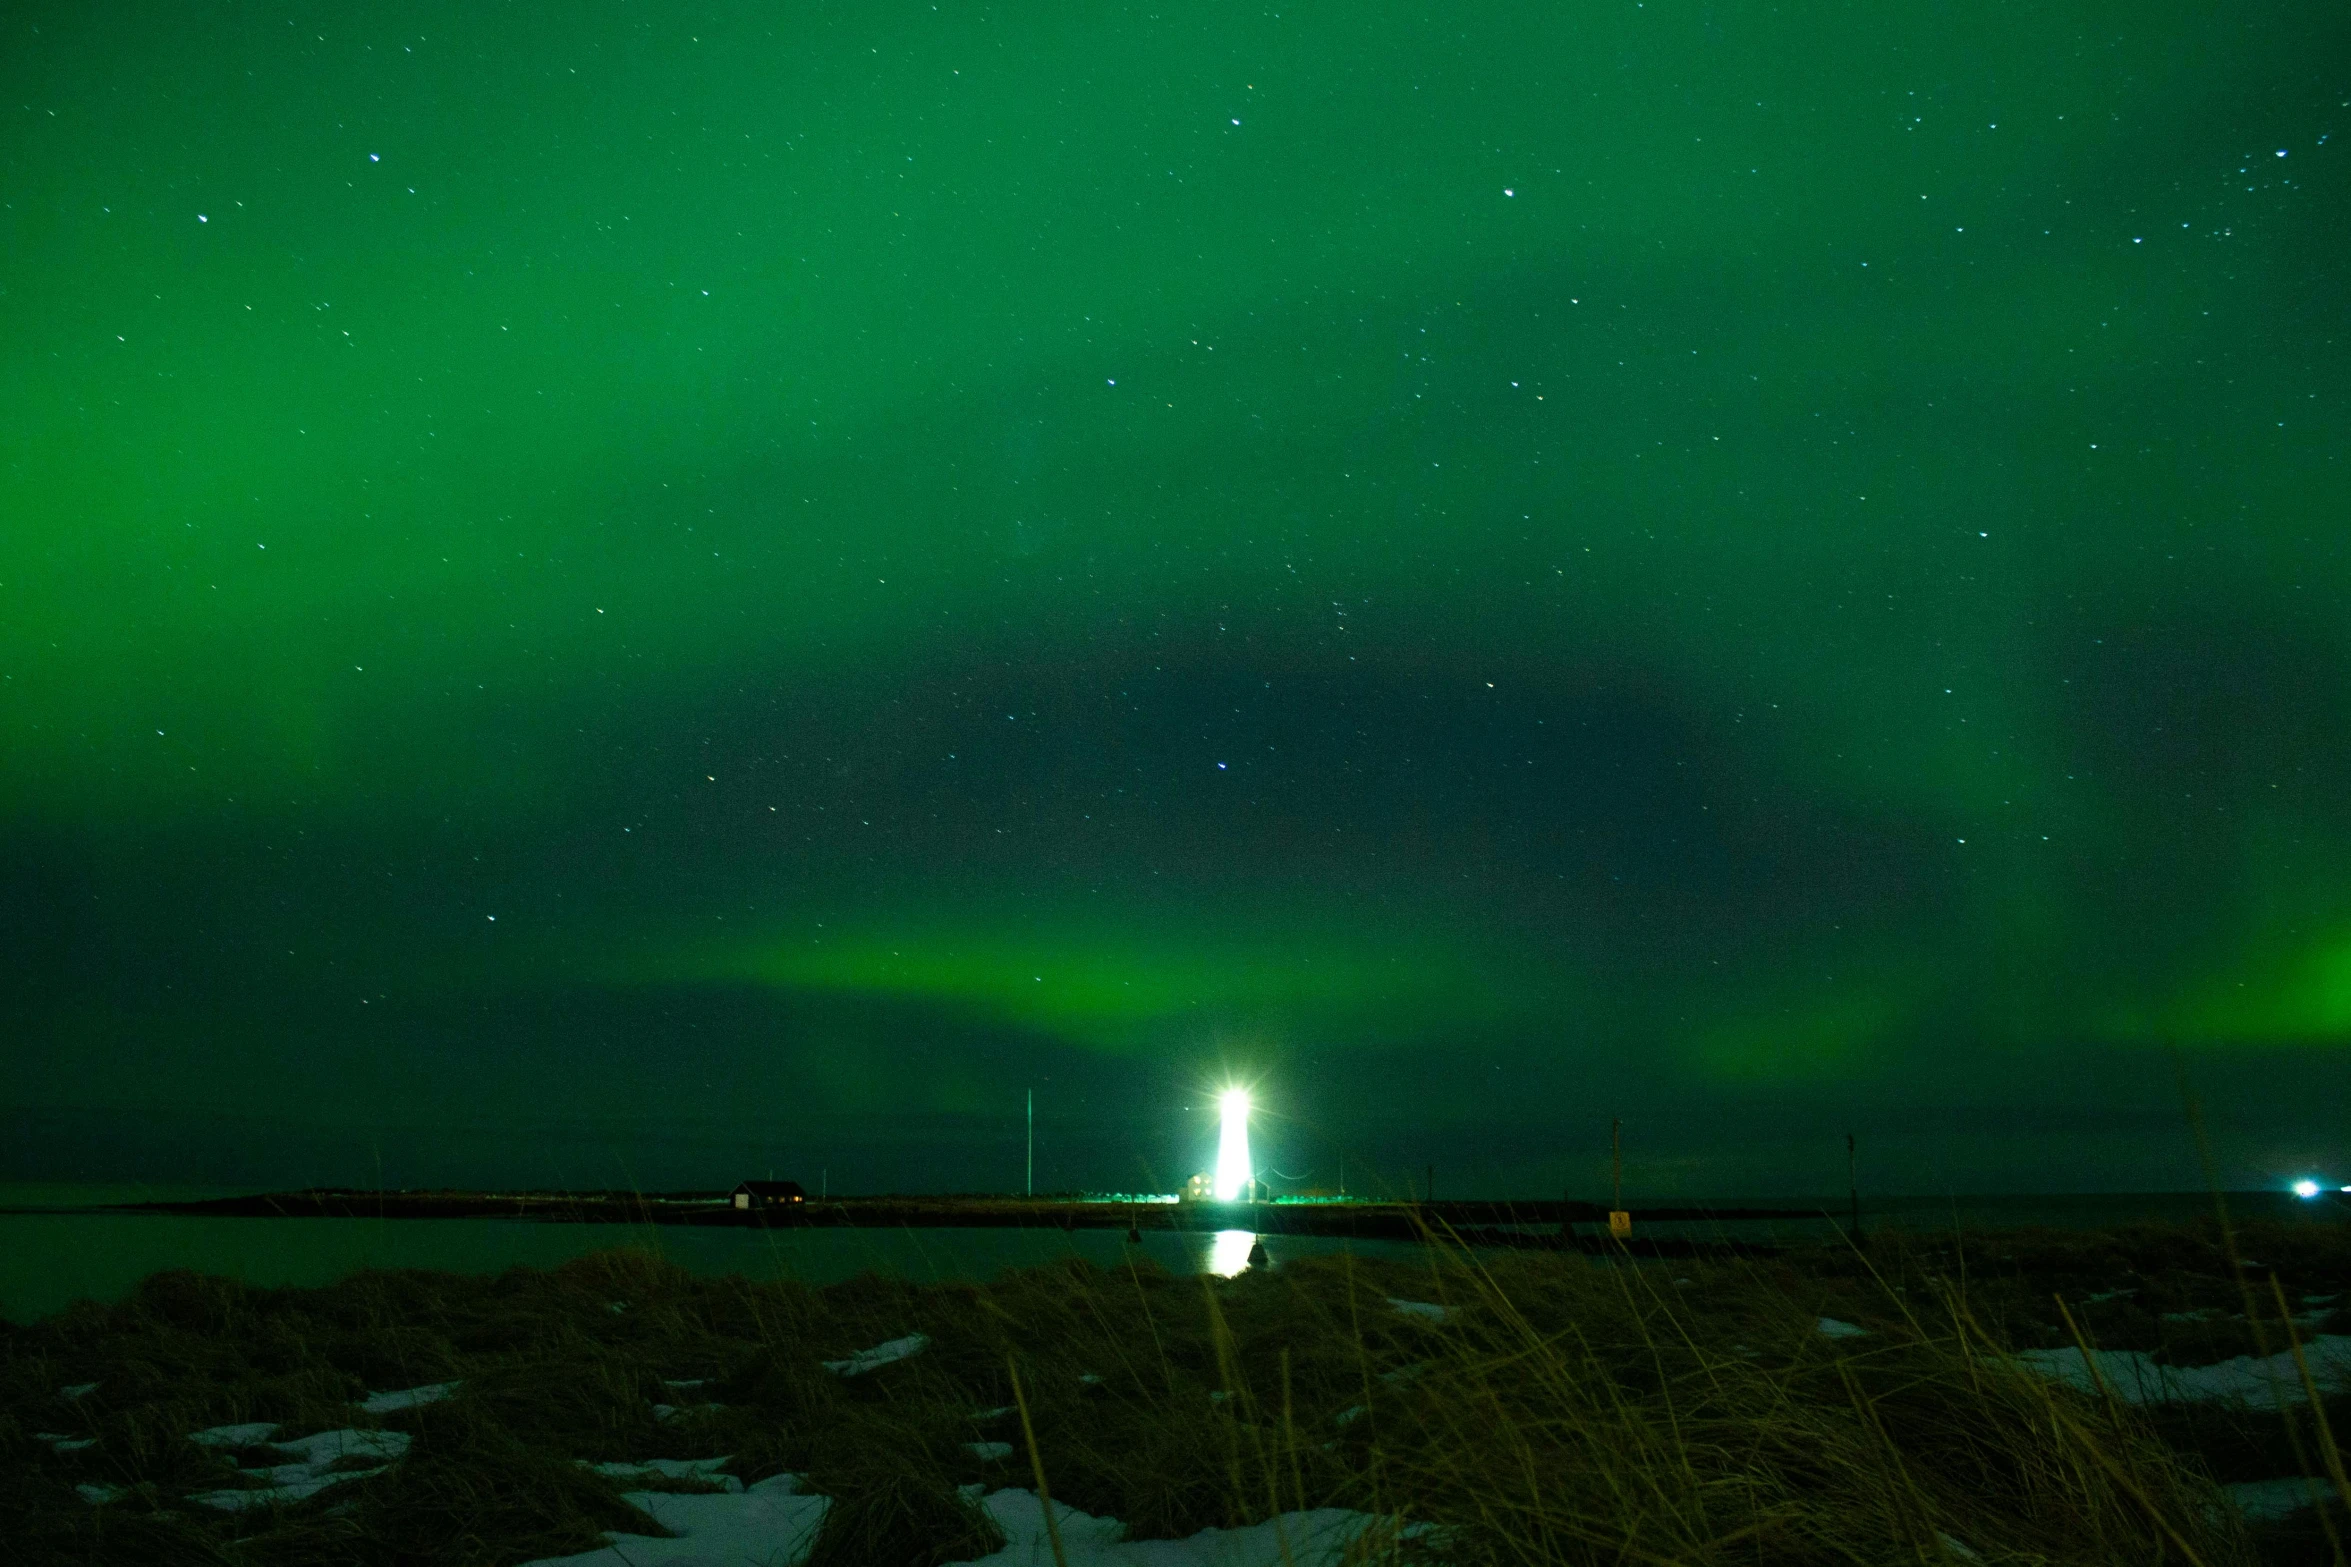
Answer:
[(1228, 1253), (1234, 1174)]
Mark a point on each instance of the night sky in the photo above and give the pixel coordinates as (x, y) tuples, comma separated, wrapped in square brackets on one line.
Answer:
[(639, 593)]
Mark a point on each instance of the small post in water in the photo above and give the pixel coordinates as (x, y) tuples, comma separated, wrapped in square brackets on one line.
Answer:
[(1030, 1185)]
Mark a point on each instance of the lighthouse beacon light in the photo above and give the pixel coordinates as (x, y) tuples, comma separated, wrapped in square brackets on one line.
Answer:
[(1234, 1174)]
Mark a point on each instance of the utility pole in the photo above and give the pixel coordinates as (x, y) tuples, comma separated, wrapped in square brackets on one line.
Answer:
[(1853, 1182), (1615, 1162), (1032, 1178)]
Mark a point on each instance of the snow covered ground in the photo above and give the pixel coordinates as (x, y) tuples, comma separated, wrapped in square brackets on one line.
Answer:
[(311, 1468), (2269, 1500), (2256, 1381), (1428, 1311), (880, 1355), (769, 1524), (774, 1524), (672, 1469), (2259, 1382), (407, 1398), (1309, 1539), (308, 1462)]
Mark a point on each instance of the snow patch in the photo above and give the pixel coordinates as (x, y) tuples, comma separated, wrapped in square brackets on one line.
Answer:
[(327, 1447), (312, 1472), (1319, 1538), (2256, 1381), (251, 1434), (2266, 1501), (287, 1483), (669, 1414), (880, 1355), (1830, 1327), (1419, 1308), (769, 1524), (672, 1469), (989, 1452), (774, 1524), (407, 1398)]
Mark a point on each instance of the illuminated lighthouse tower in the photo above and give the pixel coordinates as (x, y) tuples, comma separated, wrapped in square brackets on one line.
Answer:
[(1234, 1174)]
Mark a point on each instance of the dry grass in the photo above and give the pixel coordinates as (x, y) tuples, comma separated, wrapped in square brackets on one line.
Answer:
[(1563, 1412)]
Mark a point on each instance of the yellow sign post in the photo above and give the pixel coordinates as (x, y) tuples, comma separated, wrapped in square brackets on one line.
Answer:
[(1620, 1223)]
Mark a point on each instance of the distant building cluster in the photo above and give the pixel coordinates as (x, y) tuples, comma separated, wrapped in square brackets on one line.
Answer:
[(1202, 1188)]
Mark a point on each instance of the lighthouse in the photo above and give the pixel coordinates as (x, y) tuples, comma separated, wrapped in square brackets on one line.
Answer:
[(1235, 1176)]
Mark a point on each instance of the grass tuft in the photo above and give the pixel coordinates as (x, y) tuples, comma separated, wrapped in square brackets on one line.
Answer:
[(899, 1511)]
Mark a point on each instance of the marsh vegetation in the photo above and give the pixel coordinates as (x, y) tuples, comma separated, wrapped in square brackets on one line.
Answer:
[(1485, 1409)]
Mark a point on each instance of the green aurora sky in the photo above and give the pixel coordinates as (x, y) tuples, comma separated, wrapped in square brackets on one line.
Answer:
[(628, 592)]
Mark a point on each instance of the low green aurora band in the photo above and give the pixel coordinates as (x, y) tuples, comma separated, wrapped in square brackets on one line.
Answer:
[(657, 587)]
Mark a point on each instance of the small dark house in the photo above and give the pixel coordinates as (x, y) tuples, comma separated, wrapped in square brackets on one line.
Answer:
[(769, 1194)]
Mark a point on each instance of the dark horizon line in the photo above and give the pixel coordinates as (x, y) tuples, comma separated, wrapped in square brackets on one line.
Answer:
[(1657, 1209)]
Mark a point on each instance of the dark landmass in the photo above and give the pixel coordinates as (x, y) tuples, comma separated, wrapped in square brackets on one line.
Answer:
[(1818, 1405), (1530, 1225)]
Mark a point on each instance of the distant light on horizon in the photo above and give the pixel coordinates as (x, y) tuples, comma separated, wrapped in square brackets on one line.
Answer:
[(2307, 1189), (1234, 1174)]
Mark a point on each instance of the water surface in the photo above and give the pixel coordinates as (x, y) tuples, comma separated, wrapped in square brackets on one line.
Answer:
[(50, 1259)]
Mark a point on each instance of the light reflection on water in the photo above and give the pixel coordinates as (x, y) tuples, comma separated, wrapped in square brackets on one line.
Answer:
[(49, 1260), (1228, 1254)]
